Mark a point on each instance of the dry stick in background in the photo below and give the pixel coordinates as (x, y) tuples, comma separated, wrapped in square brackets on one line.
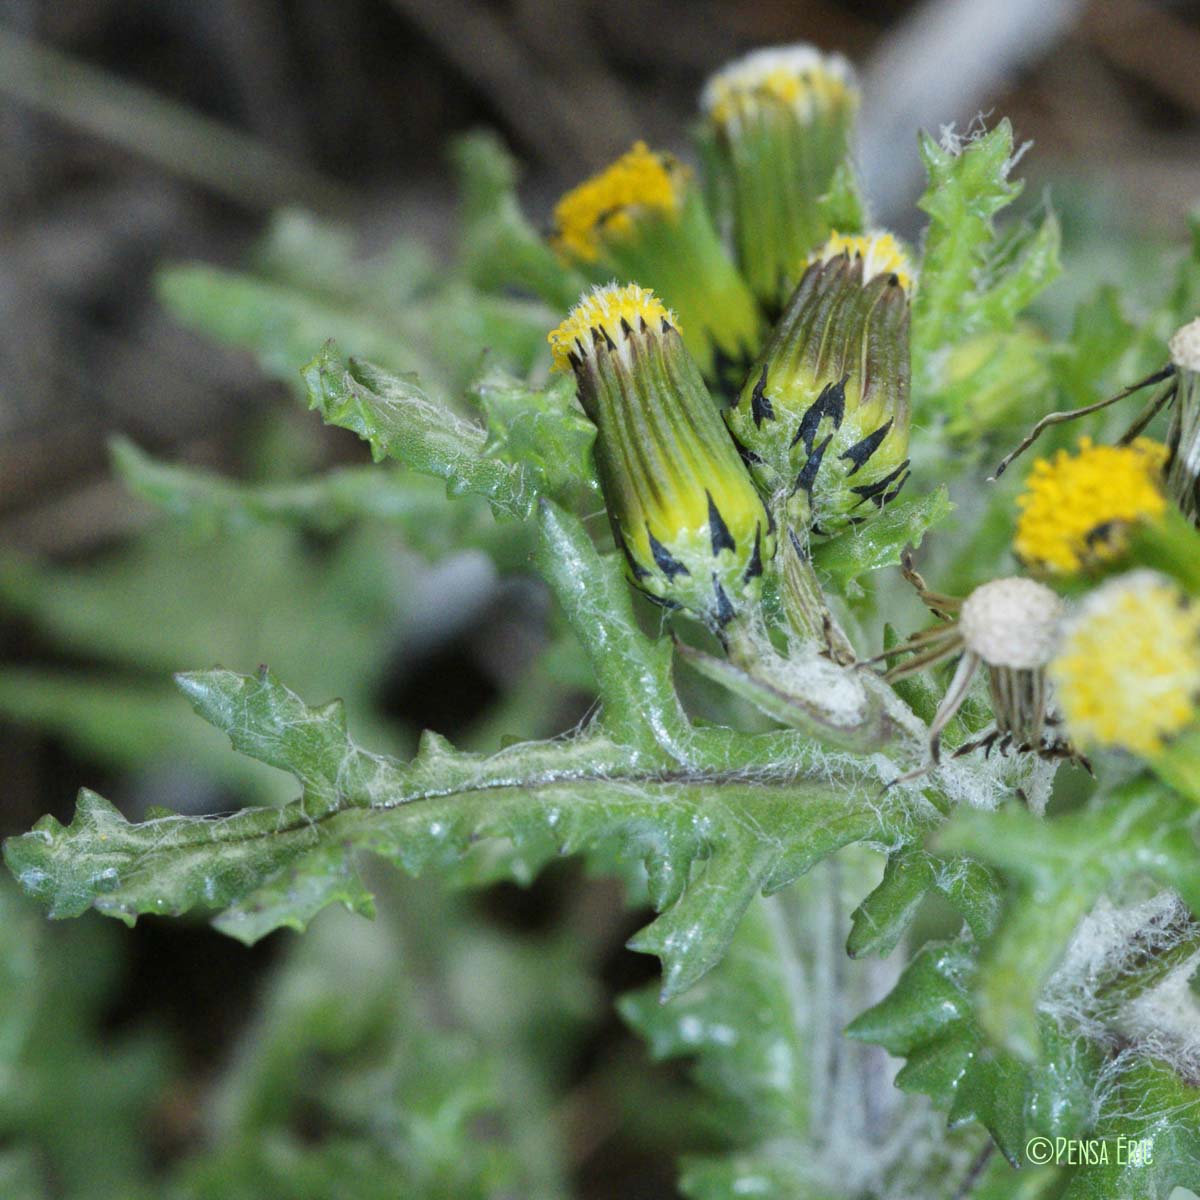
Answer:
[(976, 44), (141, 121)]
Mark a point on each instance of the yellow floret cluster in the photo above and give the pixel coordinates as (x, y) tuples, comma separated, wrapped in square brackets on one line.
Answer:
[(1075, 506), (881, 254), (603, 310), (1128, 672), (797, 76), (608, 205)]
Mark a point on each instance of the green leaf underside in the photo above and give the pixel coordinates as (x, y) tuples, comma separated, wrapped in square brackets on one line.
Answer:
[(709, 844)]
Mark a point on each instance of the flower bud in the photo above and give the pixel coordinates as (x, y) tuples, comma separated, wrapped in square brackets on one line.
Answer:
[(823, 418), (684, 511), (778, 124), (644, 218)]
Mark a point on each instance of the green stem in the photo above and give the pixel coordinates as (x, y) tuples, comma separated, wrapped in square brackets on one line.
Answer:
[(1178, 763), (1169, 544), (801, 598), (682, 259)]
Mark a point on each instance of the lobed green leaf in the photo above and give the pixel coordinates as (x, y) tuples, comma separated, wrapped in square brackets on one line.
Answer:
[(880, 542), (928, 1020), (881, 920), (399, 421), (974, 284), (542, 431), (260, 869)]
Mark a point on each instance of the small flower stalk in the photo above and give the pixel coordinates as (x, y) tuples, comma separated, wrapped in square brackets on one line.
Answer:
[(823, 419), (694, 532), (1127, 674), (778, 124), (644, 218), (1007, 627)]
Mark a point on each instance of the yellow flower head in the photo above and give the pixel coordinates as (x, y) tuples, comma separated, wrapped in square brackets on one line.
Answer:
[(609, 204), (607, 316), (880, 253), (1076, 507), (799, 77), (1128, 671)]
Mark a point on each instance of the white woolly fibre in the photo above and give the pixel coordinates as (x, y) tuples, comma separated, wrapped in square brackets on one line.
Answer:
[(1162, 1022), (838, 693), (1012, 623)]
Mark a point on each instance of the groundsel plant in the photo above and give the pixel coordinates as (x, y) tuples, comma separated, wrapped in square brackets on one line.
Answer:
[(768, 397)]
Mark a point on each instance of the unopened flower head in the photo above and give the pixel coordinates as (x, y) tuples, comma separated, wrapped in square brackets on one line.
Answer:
[(879, 252), (823, 420), (1127, 673), (643, 218), (684, 510), (609, 315), (800, 78), (779, 124), (1077, 508)]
